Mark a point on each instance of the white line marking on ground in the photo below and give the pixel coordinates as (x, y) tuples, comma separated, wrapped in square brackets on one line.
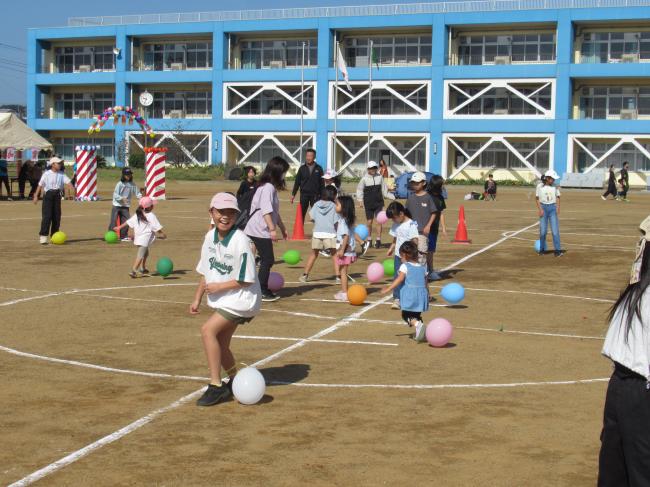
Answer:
[(318, 340), (74, 456), (535, 293), (534, 333), (382, 301)]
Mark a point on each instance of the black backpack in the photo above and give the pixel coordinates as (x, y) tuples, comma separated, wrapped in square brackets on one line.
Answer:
[(244, 203)]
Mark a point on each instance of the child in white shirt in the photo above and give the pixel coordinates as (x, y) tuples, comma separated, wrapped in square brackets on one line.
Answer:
[(404, 229), (146, 228), (228, 275)]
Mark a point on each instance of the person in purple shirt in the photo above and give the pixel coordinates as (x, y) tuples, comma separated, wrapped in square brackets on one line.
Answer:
[(265, 219)]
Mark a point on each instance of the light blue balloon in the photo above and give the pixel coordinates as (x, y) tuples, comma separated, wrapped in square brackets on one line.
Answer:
[(453, 293), (362, 231), (538, 246)]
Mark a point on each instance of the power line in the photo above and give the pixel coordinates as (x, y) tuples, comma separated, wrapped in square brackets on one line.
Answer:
[(12, 62), (2, 44), (11, 68)]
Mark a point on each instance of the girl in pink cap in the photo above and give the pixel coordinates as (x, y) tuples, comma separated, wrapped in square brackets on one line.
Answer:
[(146, 228)]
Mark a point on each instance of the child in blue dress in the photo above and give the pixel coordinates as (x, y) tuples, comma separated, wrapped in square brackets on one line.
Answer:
[(414, 294)]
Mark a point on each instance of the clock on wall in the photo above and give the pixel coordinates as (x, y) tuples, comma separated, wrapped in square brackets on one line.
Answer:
[(146, 99)]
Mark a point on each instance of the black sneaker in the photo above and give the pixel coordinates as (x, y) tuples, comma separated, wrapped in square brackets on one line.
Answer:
[(377, 243), (559, 253), (269, 297), (214, 395)]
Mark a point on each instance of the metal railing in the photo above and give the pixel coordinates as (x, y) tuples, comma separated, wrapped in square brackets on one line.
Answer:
[(352, 11)]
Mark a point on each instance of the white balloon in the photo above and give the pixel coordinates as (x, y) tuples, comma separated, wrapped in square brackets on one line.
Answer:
[(249, 386)]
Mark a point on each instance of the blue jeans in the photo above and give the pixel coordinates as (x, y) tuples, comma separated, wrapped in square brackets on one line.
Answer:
[(397, 261), (550, 214)]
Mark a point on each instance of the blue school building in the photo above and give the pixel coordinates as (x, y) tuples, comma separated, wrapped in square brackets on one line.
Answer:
[(511, 87)]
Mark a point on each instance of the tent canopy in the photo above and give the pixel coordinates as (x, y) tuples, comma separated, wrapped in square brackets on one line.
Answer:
[(14, 133)]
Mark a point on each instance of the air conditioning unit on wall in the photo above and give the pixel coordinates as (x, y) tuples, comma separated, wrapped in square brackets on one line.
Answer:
[(276, 64), (85, 68), (500, 111), (628, 114), (83, 114), (175, 114), (501, 59), (630, 58), (176, 66)]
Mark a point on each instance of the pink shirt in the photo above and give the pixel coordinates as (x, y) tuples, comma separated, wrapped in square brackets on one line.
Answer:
[(266, 199)]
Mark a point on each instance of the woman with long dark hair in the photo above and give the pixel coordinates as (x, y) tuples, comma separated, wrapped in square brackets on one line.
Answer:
[(625, 439), (265, 219)]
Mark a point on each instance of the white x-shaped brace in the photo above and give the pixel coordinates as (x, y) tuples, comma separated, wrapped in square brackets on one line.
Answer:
[(379, 85), (508, 85), (292, 155), (168, 135), (273, 87), (385, 139), (629, 139), (497, 138)]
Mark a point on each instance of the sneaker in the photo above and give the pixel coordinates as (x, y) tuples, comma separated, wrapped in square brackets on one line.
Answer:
[(325, 253), (420, 332), (365, 247), (42, 240), (133, 274), (559, 253), (341, 296), (395, 304), (125, 239), (338, 279), (269, 297), (304, 278), (377, 243), (9, 198), (214, 395), (434, 276), (144, 271), (603, 197)]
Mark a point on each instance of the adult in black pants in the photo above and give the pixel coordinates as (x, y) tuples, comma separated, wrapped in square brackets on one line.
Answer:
[(52, 186), (309, 180), (611, 184), (625, 444), (265, 219), (23, 177), (625, 177)]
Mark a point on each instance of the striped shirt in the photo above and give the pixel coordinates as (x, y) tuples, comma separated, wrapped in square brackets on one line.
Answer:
[(51, 180)]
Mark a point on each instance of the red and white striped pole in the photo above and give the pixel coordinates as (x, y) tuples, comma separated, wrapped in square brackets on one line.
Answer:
[(155, 172), (86, 159)]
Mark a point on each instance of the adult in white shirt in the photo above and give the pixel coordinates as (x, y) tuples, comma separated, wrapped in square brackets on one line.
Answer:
[(52, 186), (547, 199), (625, 439)]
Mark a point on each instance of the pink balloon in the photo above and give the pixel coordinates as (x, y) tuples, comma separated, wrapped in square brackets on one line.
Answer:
[(439, 332), (381, 217), (276, 281), (375, 272)]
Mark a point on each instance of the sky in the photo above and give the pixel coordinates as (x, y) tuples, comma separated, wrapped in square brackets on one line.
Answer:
[(49, 13)]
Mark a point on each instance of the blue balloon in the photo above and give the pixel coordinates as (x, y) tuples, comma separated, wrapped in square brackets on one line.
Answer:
[(362, 231), (538, 246), (453, 293)]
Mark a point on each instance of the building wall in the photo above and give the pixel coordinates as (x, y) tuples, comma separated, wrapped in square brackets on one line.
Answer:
[(564, 70)]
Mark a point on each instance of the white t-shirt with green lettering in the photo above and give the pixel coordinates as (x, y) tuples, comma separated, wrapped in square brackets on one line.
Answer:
[(231, 259)]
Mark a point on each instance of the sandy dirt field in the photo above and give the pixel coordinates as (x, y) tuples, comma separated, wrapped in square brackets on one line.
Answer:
[(101, 371)]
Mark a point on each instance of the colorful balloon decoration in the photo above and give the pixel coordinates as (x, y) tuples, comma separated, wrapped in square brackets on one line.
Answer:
[(123, 115)]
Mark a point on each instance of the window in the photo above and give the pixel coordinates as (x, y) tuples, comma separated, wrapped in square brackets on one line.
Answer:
[(385, 102), (610, 47), (625, 152), (64, 147), (520, 48), (262, 54), (403, 50), (500, 101), (69, 105), (270, 102), (267, 149), (181, 104), (379, 149), (602, 102), (84, 58), (497, 155), (173, 56)]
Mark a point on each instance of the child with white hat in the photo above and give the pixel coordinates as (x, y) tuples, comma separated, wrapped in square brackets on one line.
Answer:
[(547, 199)]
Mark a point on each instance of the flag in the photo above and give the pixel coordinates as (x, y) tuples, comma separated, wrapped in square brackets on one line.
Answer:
[(340, 60), (373, 55)]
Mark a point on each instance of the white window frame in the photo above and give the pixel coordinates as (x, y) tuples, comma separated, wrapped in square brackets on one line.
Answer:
[(575, 139), (379, 85), (272, 86), (498, 83), (424, 137), (293, 158), (449, 138)]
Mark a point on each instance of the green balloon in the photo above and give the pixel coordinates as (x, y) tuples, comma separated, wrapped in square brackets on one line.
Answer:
[(291, 257), (111, 237), (389, 267), (164, 266)]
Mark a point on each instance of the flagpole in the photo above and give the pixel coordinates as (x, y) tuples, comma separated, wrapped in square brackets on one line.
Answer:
[(369, 96), (336, 105), (302, 98)]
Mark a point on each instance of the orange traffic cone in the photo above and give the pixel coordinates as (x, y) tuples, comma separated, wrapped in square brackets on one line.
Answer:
[(298, 227), (461, 230)]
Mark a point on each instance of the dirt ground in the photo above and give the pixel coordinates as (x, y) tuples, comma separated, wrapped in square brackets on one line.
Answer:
[(516, 399)]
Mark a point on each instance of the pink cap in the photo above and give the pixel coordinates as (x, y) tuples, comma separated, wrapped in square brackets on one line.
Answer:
[(147, 202), (221, 201)]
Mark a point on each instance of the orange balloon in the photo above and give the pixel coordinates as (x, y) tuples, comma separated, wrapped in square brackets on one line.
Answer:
[(357, 294)]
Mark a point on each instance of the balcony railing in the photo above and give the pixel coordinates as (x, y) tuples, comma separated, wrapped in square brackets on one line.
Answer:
[(353, 11), (84, 68), (467, 60)]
